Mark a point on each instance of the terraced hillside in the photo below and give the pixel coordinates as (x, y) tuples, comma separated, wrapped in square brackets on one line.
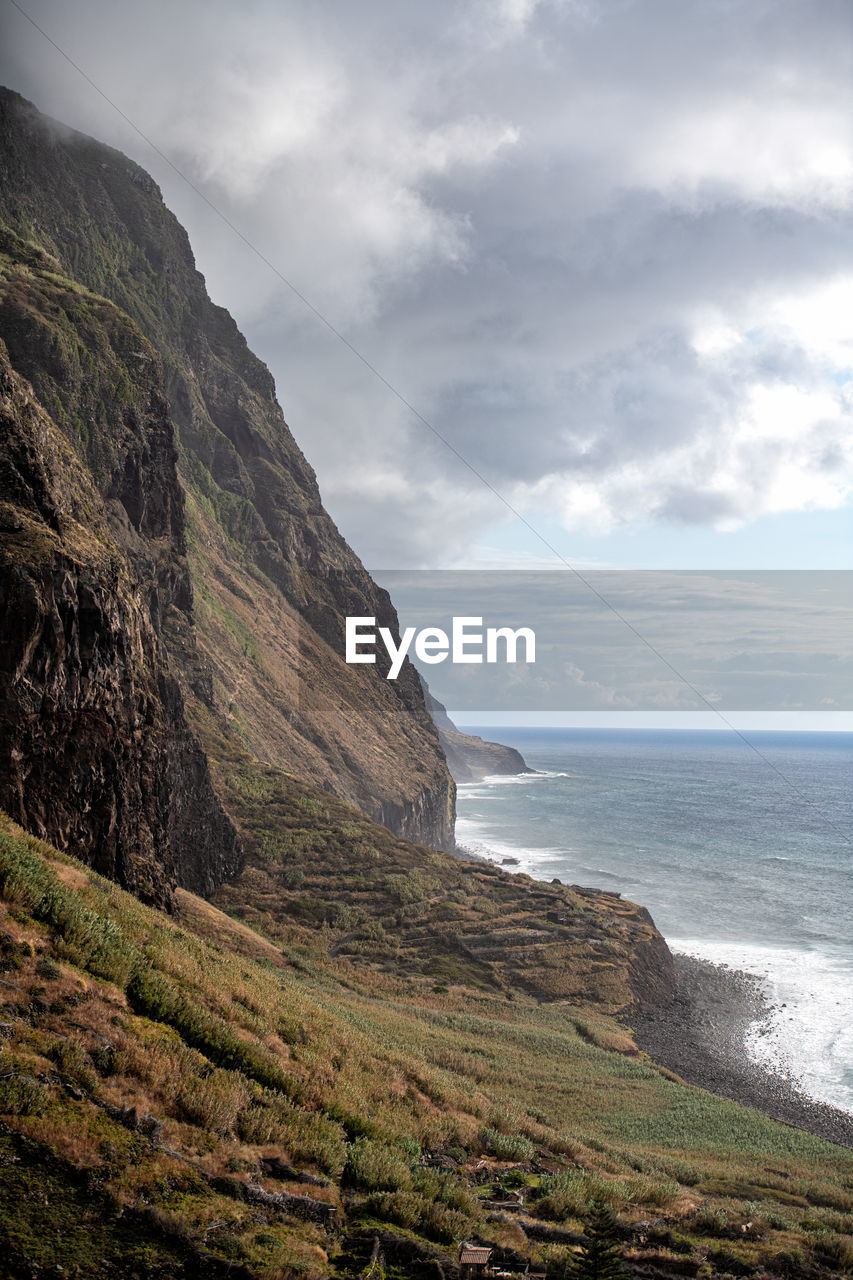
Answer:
[(184, 1097)]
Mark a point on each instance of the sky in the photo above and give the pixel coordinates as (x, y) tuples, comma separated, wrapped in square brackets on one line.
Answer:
[(552, 282), (751, 649), (603, 247)]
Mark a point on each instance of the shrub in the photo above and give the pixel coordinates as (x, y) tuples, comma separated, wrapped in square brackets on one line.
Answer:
[(828, 1197), (260, 1125), (73, 1062), (415, 1211), (376, 1167), (307, 804), (446, 1189), (791, 1263), (298, 1259), (403, 1208), (710, 1222), (571, 1193), (10, 953), (230, 1247), (724, 1259), (440, 1222), (779, 1221), (214, 1102), (687, 1174), (658, 1192), (85, 938), (406, 890), (833, 1250), (373, 931), (560, 1197), (308, 1136), (506, 1146), (22, 1096)]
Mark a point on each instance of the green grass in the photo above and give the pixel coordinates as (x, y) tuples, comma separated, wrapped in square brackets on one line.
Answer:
[(237, 1049)]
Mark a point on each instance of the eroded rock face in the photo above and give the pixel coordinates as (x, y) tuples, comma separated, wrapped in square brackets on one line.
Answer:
[(272, 575), (95, 752), (469, 757)]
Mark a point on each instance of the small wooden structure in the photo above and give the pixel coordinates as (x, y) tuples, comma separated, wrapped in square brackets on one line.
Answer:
[(474, 1261)]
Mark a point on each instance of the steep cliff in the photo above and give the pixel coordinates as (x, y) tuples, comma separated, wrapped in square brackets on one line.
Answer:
[(270, 573), (96, 753), (468, 756)]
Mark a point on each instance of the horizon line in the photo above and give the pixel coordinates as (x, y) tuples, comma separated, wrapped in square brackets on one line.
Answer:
[(685, 721)]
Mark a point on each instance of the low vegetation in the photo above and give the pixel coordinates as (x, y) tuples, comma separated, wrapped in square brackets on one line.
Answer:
[(183, 1095), (365, 1052)]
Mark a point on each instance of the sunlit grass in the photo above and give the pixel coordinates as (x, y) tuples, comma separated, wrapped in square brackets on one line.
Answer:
[(237, 1049)]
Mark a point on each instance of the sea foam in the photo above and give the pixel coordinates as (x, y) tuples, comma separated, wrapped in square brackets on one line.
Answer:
[(808, 1033), (733, 865)]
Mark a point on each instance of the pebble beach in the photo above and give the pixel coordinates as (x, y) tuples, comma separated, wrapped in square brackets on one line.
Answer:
[(700, 1037)]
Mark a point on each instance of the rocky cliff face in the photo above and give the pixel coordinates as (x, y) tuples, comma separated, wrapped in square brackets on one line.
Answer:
[(96, 753), (468, 756), (259, 652)]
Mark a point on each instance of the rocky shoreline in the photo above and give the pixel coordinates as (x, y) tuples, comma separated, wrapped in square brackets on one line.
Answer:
[(700, 1037)]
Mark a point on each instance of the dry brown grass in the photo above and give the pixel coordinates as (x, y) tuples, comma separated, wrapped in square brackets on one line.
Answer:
[(214, 1101), (377, 1055), (208, 921), (299, 1260)]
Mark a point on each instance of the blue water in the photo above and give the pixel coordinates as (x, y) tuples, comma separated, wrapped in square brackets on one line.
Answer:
[(743, 856)]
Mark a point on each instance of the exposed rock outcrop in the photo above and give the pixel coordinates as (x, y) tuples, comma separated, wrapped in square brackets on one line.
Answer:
[(468, 756), (96, 753), (271, 575)]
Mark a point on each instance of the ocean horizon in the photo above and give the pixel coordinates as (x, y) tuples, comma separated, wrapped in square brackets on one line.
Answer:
[(739, 849)]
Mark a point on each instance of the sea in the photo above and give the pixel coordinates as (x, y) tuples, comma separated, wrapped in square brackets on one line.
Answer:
[(740, 847)]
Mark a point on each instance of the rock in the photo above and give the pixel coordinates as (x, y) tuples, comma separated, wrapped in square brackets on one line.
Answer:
[(302, 1206), (469, 757), (275, 1167), (165, 368), (95, 752)]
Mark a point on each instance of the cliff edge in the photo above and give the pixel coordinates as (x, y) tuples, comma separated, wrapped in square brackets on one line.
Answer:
[(249, 579), (96, 752), (468, 756)]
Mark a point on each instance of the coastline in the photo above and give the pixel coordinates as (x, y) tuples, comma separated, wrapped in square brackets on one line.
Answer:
[(700, 1037)]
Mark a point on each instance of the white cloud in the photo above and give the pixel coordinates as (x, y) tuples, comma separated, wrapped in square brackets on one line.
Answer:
[(820, 320), (604, 247), (776, 150)]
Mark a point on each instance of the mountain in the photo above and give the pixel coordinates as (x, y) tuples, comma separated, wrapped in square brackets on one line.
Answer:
[(303, 1040), (469, 757), (242, 574)]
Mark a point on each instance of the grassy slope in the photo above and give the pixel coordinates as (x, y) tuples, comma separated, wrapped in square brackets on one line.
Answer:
[(320, 874), (231, 1048)]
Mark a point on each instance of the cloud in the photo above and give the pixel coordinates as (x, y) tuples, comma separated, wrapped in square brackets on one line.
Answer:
[(742, 640), (603, 247)]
